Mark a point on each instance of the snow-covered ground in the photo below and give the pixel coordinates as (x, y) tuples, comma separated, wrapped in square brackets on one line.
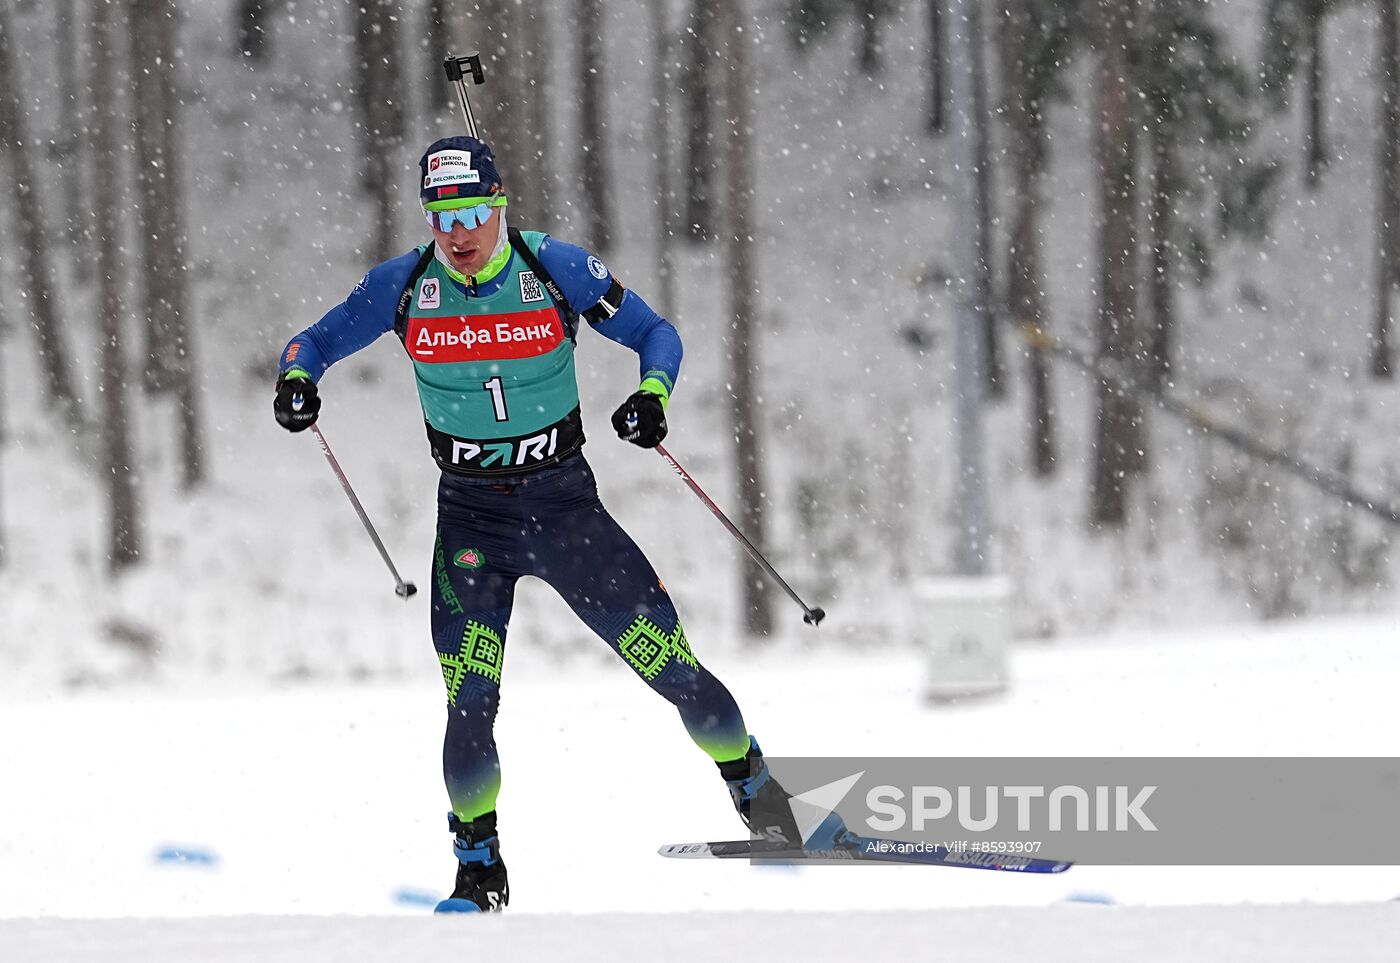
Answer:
[(1062, 934), (327, 800)]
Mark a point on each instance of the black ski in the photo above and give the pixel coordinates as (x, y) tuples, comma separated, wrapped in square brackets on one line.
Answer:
[(867, 849)]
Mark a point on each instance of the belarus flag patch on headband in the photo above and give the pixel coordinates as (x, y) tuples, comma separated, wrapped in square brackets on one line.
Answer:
[(447, 191)]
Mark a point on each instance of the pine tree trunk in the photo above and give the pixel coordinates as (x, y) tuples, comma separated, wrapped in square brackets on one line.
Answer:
[(4, 435), (433, 45), (1388, 204), (1025, 275), (594, 137), (148, 85), (938, 69), (869, 14), (104, 152), (33, 241), (736, 30), (169, 342), (1042, 398), (663, 75), (379, 97), (701, 67), (541, 133), (171, 224), (66, 138), (156, 373), (255, 28), (1316, 85), (1116, 431), (503, 107), (993, 370), (971, 531), (1159, 228)]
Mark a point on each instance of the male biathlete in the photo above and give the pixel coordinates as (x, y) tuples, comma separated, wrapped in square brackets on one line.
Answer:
[(489, 317)]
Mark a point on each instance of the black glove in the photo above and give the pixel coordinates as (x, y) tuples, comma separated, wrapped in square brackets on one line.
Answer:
[(641, 420), (296, 404)]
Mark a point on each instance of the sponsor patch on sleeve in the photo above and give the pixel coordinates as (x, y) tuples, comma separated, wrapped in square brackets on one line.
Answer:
[(597, 268)]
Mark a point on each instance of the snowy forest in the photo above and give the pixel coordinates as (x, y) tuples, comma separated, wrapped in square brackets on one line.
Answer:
[(1047, 346), (1094, 294)]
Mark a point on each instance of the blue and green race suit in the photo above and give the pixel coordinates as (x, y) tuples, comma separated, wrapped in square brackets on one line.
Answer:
[(495, 371)]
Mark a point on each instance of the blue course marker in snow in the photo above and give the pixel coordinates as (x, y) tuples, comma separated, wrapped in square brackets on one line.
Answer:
[(1095, 899), (405, 896), (789, 867), (186, 856)]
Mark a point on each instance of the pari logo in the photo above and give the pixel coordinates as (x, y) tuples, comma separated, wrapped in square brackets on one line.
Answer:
[(1117, 809), (502, 454), (430, 294)]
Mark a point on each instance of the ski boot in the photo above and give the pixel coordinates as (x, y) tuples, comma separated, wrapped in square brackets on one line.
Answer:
[(481, 874), (752, 787)]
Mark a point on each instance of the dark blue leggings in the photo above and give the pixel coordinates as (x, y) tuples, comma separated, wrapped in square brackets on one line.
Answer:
[(550, 524)]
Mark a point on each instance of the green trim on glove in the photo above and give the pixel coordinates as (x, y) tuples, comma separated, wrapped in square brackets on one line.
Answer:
[(295, 373)]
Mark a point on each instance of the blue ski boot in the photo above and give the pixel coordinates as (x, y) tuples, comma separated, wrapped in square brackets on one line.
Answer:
[(754, 790), (481, 874)]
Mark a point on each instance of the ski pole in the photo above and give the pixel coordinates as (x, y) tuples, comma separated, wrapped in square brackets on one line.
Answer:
[(402, 589), (810, 615), (457, 68)]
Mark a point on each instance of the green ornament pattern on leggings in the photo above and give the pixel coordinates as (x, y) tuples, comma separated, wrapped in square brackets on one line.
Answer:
[(649, 649), (481, 652)]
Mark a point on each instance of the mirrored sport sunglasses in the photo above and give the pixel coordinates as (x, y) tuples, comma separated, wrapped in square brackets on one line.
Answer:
[(469, 217)]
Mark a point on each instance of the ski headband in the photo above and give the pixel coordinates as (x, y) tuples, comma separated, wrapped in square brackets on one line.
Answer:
[(457, 167)]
